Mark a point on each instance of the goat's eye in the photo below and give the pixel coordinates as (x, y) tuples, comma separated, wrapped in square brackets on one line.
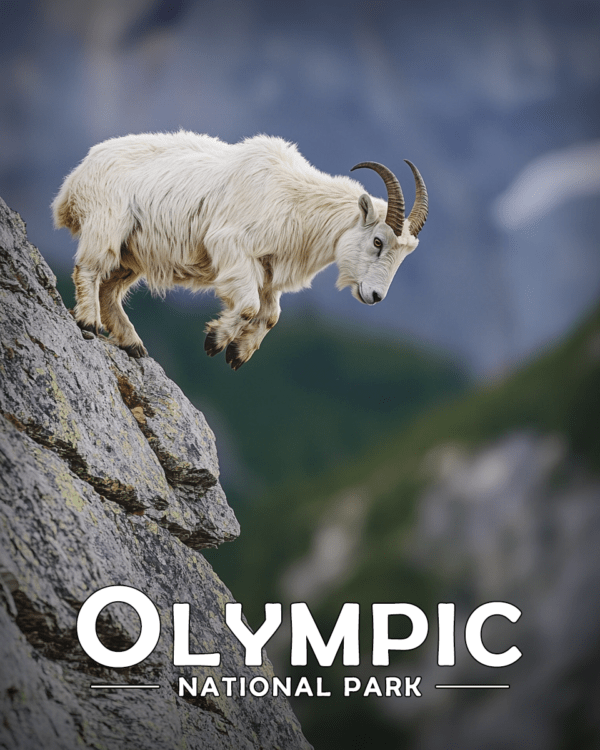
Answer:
[(378, 243)]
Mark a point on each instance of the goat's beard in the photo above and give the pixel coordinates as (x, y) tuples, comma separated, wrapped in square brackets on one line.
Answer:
[(344, 279)]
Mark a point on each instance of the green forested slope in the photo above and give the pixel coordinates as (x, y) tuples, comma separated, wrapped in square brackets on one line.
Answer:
[(558, 393)]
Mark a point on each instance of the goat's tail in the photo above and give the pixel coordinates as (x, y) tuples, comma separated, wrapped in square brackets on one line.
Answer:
[(64, 209)]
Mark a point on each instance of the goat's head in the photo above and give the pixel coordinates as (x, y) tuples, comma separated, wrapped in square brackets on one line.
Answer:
[(371, 252)]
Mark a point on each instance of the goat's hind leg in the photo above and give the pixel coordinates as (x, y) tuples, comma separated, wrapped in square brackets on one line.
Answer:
[(87, 291), (112, 293)]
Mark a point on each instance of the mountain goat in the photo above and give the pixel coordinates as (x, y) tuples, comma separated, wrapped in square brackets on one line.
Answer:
[(250, 220)]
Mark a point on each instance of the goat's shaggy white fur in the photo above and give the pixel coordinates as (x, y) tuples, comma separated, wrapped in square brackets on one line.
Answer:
[(250, 220)]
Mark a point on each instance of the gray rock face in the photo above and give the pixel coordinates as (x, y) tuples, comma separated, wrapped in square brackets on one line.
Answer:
[(109, 476)]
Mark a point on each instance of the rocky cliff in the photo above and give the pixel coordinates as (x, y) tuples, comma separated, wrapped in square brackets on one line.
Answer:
[(109, 476)]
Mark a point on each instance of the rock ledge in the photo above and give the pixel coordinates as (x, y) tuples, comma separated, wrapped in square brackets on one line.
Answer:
[(108, 476)]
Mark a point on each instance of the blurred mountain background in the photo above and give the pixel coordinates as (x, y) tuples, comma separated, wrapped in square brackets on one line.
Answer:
[(442, 446)]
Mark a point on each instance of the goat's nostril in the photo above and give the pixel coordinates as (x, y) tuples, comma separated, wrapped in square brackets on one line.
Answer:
[(376, 298)]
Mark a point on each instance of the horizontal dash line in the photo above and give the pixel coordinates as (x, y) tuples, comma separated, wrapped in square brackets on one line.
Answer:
[(124, 687), (472, 686)]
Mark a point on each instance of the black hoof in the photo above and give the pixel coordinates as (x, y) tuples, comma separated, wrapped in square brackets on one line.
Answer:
[(210, 344), (232, 356), (91, 328), (135, 350)]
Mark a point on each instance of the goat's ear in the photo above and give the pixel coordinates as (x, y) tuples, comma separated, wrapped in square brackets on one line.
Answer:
[(366, 209)]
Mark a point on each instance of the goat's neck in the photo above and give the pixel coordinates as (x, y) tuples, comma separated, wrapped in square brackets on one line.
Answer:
[(330, 209)]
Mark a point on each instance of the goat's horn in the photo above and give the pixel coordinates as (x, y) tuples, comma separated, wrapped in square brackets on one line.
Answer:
[(395, 212), (418, 215)]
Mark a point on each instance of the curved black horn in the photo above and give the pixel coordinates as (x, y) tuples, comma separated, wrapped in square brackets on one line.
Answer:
[(395, 213), (418, 216)]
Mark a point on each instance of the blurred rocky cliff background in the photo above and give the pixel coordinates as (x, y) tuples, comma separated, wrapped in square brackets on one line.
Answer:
[(442, 446), (496, 103)]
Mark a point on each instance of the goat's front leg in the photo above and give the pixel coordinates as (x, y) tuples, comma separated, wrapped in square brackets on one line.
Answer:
[(239, 291), (251, 335)]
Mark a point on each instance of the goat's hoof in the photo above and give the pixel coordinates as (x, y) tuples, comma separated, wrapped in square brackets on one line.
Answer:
[(232, 356), (135, 350), (90, 328), (210, 344)]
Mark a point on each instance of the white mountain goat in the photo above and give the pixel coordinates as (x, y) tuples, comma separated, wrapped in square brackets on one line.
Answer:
[(250, 220)]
